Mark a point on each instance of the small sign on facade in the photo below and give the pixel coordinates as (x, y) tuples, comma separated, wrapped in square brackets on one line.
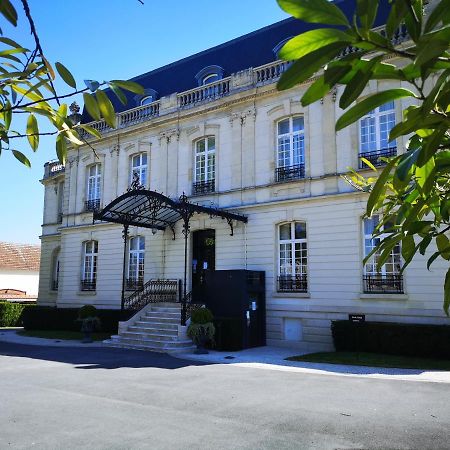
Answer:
[(357, 317)]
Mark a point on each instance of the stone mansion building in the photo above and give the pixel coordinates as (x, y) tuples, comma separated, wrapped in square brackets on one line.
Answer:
[(214, 127)]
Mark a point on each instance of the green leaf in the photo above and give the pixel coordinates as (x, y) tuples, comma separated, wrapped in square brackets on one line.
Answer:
[(440, 13), (308, 65), (22, 158), (323, 84), (379, 187), (66, 75), (447, 292), (10, 42), (367, 12), (314, 11), (357, 84), (432, 258), (9, 12), (397, 14), (33, 132), (408, 249), (61, 148), (129, 86), (442, 243), (119, 94), (372, 102), (106, 108), (92, 85), (424, 244), (312, 40), (7, 115), (91, 106), (91, 130)]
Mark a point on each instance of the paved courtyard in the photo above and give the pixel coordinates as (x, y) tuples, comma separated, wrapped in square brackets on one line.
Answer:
[(97, 398)]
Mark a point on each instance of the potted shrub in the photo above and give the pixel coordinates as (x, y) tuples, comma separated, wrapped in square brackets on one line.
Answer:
[(201, 329), (87, 315)]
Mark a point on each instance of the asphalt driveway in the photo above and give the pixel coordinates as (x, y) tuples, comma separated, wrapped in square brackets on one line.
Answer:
[(104, 398)]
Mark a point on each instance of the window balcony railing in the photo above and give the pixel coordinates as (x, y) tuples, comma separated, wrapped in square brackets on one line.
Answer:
[(54, 285), (288, 173), (292, 283), (133, 284), (386, 284), (92, 205), (203, 187), (88, 285), (375, 157)]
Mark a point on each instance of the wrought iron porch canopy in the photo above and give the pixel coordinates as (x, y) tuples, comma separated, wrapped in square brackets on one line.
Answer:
[(150, 209)]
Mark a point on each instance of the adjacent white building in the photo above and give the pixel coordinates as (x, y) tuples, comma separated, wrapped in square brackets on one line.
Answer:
[(214, 126)]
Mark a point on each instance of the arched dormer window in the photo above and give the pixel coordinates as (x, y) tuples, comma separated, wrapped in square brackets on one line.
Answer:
[(278, 47), (149, 96), (209, 74)]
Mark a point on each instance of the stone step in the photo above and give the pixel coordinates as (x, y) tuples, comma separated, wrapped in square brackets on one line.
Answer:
[(163, 314), (166, 308), (152, 336), (154, 343), (156, 324), (169, 320), (187, 349), (167, 331)]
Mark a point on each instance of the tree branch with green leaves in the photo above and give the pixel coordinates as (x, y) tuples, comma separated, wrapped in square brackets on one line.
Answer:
[(411, 193), (27, 87)]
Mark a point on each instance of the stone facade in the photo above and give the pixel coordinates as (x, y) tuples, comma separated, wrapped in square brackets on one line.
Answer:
[(243, 121)]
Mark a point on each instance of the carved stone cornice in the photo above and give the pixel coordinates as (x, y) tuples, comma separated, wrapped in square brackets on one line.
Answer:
[(242, 115), (169, 134)]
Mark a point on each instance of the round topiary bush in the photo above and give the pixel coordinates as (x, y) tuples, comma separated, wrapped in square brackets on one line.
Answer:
[(201, 316), (87, 311)]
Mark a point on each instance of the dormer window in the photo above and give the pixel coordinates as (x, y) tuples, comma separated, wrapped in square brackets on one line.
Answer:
[(209, 74), (147, 100), (149, 96)]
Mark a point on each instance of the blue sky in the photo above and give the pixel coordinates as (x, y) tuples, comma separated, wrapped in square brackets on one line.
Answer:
[(111, 39)]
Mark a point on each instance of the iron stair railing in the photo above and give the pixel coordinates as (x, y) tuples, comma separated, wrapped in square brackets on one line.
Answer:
[(154, 291), (187, 308)]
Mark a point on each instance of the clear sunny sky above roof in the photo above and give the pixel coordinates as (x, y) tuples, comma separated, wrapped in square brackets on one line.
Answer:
[(111, 39)]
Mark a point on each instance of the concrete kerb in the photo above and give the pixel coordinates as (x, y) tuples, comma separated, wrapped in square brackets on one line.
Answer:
[(266, 358), (10, 335)]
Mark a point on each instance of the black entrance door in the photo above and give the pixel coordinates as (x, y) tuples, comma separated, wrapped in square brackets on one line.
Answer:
[(203, 261)]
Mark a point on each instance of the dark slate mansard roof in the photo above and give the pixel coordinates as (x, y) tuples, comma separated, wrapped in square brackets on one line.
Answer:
[(250, 50)]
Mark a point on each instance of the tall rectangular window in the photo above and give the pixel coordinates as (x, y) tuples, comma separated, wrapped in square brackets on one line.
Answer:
[(387, 278), (374, 130), (290, 149), (205, 165), (136, 257), (94, 183), (293, 257), (139, 169), (89, 268)]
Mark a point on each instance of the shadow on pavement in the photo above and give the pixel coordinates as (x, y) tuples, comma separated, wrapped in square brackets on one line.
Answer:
[(97, 358)]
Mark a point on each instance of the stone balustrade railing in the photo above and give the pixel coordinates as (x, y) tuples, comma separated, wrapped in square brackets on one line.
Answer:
[(52, 168), (207, 93), (247, 79)]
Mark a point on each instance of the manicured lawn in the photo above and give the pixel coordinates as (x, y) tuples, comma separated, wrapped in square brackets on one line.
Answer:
[(63, 335), (373, 360)]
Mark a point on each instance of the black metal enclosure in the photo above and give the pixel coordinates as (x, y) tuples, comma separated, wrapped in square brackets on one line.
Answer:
[(238, 301)]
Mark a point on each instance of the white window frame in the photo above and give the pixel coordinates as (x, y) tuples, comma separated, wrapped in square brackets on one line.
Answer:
[(297, 271), (136, 259), (205, 161), (290, 140), (94, 182), (141, 168), (377, 116), (395, 253), (210, 78), (90, 261)]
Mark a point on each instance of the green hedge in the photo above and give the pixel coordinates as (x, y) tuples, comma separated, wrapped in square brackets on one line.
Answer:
[(50, 318), (11, 314), (429, 341)]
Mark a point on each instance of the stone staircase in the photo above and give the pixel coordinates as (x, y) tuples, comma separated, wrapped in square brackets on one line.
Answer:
[(155, 328)]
